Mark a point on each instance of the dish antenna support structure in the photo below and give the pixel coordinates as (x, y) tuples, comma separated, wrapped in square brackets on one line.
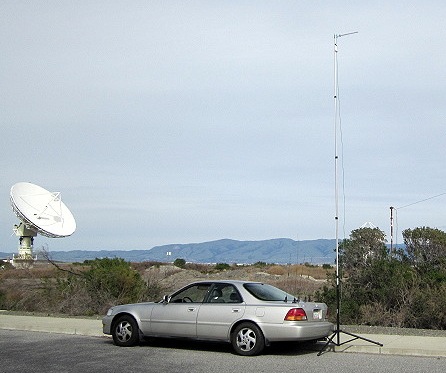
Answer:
[(40, 212)]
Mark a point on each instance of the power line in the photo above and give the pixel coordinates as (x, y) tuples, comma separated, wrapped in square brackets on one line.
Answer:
[(396, 215), (423, 200)]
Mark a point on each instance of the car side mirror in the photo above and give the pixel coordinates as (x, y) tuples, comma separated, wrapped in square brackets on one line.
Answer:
[(166, 299)]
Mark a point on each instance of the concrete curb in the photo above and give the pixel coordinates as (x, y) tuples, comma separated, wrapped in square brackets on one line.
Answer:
[(392, 344), (62, 325), (395, 345)]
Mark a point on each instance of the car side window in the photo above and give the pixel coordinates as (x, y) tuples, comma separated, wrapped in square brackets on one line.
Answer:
[(224, 293), (268, 292), (192, 294)]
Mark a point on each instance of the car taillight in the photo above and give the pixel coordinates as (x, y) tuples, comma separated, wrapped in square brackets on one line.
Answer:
[(296, 314)]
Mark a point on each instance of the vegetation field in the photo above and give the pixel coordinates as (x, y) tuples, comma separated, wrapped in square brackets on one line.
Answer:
[(377, 286)]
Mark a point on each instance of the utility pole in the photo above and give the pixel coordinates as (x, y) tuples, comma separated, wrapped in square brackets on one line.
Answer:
[(391, 229)]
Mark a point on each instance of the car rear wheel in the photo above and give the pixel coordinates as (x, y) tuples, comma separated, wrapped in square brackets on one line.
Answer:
[(125, 331), (247, 339)]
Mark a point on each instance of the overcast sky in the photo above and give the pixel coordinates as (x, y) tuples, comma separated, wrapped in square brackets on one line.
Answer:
[(188, 121)]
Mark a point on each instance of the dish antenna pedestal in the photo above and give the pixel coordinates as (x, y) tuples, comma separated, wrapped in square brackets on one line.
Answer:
[(26, 240), (40, 211)]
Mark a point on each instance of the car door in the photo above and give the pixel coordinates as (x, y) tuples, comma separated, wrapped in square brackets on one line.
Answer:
[(178, 316), (222, 308)]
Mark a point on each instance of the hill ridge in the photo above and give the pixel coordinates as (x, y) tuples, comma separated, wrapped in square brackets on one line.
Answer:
[(225, 250)]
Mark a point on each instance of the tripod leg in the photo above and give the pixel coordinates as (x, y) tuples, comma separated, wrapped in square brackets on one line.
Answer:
[(330, 340), (362, 338)]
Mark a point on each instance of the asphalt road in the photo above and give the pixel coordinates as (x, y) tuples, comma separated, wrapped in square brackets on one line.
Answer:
[(24, 351)]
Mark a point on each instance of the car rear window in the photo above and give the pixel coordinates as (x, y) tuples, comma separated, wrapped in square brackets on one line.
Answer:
[(268, 292)]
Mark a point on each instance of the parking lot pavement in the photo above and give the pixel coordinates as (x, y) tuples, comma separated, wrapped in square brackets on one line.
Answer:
[(392, 344)]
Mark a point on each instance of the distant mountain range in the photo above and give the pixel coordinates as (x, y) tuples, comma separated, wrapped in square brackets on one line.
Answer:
[(280, 250)]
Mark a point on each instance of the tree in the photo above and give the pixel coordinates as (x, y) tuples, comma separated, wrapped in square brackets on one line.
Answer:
[(378, 288), (426, 247), (426, 253), (358, 257), (364, 246)]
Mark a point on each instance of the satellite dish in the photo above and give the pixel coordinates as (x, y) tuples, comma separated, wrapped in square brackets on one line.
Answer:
[(42, 211), (39, 211)]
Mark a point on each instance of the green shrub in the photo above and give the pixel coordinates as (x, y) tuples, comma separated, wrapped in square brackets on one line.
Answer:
[(105, 282), (222, 266), (180, 263)]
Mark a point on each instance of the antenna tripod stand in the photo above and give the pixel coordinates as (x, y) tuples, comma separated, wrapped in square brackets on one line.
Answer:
[(338, 330)]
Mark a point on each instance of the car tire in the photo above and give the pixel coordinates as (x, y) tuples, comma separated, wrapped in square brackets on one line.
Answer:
[(247, 339), (125, 331)]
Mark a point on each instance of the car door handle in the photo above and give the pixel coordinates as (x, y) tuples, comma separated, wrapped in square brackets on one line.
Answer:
[(191, 309), (235, 310)]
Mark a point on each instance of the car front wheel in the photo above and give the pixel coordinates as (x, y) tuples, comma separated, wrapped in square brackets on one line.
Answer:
[(247, 339), (125, 331)]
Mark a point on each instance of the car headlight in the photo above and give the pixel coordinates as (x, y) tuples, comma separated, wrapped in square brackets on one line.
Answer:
[(110, 312)]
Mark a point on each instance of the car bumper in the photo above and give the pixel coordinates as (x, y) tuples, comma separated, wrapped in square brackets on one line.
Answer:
[(297, 331), (106, 324)]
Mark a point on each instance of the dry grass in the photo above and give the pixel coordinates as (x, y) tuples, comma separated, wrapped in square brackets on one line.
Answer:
[(43, 271), (34, 289)]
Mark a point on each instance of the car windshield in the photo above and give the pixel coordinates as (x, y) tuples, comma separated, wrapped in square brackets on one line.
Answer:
[(269, 293)]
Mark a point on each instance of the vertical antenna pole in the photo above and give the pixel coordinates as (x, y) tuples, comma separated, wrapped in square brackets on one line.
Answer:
[(336, 91), (338, 295), (336, 121)]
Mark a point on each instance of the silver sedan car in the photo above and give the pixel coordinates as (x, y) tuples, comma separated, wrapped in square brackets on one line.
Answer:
[(249, 315)]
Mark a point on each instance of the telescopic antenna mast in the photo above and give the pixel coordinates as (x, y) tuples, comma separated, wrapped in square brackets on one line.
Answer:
[(338, 330)]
